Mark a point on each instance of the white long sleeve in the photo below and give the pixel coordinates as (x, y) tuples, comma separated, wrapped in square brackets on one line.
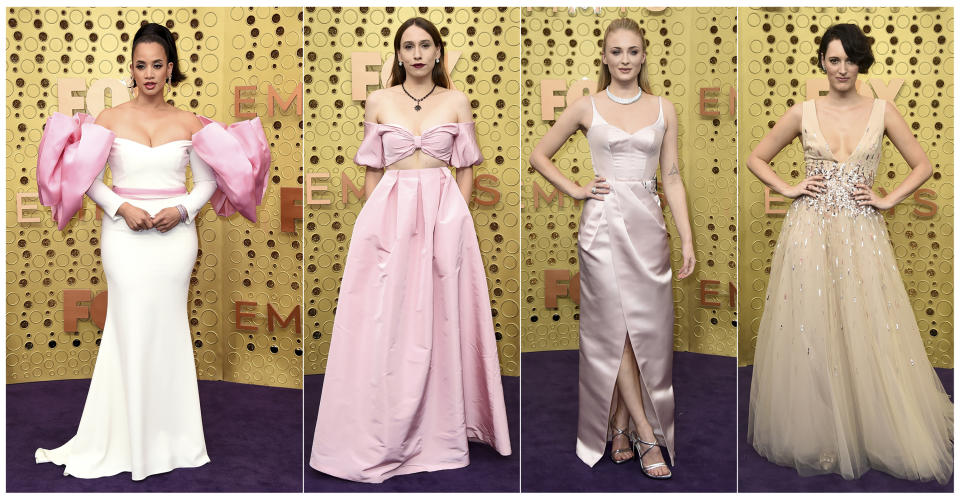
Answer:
[(106, 199), (204, 185)]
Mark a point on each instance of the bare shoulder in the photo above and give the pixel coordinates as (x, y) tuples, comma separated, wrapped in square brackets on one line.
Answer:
[(580, 108), (459, 102), (582, 104), (795, 111), (890, 110), (107, 118), (892, 119), (189, 120), (793, 116), (377, 96), (456, 99), (669, 109), (374, 102)]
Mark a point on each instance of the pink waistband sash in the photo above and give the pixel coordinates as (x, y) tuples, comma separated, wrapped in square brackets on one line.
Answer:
[(135, 193)]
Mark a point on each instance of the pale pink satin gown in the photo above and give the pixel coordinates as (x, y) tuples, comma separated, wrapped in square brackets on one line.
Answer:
[(413, 372), (142, 411), (625, 284)]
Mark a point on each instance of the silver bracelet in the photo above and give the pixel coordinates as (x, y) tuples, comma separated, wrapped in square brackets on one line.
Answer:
[(183, 212)]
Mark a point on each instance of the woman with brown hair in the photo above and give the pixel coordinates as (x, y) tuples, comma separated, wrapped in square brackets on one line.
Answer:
[(413, 372), (626, 295)]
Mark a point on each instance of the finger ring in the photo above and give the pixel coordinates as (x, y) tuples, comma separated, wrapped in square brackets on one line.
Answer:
[(594, 190)]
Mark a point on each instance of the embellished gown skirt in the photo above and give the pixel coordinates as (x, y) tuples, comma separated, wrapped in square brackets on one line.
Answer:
[(413, 372), (142, 412), (625, 292), (841, 380)]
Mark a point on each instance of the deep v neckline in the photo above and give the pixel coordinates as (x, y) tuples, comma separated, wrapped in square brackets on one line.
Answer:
[(816, 117), (615, 127)]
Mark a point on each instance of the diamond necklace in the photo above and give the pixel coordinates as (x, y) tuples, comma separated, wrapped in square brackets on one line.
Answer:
[(621, 100)]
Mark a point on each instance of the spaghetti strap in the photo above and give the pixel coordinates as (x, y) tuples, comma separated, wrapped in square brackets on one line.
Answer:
[(596, 114)]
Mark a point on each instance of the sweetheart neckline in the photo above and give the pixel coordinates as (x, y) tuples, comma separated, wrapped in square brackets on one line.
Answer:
[(596, 112), (615, 127), (424, 130), (153, 147)]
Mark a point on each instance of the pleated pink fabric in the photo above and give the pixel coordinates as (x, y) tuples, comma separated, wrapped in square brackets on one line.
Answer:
[(413, 372), (841, 379), (71, 154), (239, 155), (625, 285)]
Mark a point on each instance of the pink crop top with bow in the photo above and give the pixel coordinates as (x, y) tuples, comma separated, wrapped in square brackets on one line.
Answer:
[(453, 143)]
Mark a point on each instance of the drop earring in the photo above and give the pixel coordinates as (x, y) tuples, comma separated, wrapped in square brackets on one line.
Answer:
[(400, 63), (131, 87), (438, 60)]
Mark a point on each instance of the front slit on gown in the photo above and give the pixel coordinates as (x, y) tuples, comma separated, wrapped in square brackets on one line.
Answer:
[(625, 287)]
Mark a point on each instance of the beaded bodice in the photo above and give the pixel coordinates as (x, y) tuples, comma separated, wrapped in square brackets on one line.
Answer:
[(841, 177)]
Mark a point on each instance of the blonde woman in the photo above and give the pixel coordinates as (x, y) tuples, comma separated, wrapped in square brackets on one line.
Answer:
[(626, 295)]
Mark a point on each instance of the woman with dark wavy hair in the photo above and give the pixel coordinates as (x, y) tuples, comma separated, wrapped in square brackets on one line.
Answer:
[(841, 379), (413, 372), (142, 412)]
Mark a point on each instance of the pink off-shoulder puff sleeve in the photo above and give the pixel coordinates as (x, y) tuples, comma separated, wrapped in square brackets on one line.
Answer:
[(466, 150), (72, 153), (370, 152), (239, 156)]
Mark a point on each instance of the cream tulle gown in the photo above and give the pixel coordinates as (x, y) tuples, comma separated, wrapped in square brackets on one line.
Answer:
[(841, 381)]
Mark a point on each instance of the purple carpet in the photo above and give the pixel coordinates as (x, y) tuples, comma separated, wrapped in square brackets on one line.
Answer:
[(253, 436), (487, 472), (759, 475), (705, 391)]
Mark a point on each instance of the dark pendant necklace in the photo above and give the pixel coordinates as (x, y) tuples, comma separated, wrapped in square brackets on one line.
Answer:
[(417, 107)]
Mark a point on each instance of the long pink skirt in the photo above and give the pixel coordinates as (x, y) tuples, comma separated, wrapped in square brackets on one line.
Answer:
[(413, 371)]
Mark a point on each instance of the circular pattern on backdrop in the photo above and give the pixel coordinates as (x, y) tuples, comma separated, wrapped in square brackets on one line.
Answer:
[(914, 44), (238, 260), (488, 72), (688, 49)]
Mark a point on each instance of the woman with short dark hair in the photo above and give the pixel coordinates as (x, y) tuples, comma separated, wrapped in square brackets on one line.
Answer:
[(841, 380)]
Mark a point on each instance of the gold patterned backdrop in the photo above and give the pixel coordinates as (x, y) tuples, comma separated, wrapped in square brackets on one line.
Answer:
[(912, 47), (691, 58), (345, 51), (55, 52)]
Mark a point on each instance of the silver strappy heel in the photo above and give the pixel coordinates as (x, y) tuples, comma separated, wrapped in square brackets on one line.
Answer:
[(616, 432), (646, 468)]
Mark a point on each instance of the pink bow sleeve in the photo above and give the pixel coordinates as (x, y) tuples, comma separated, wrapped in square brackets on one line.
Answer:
[(239, 156), (72, 153), (466, 151), (370, 152)]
